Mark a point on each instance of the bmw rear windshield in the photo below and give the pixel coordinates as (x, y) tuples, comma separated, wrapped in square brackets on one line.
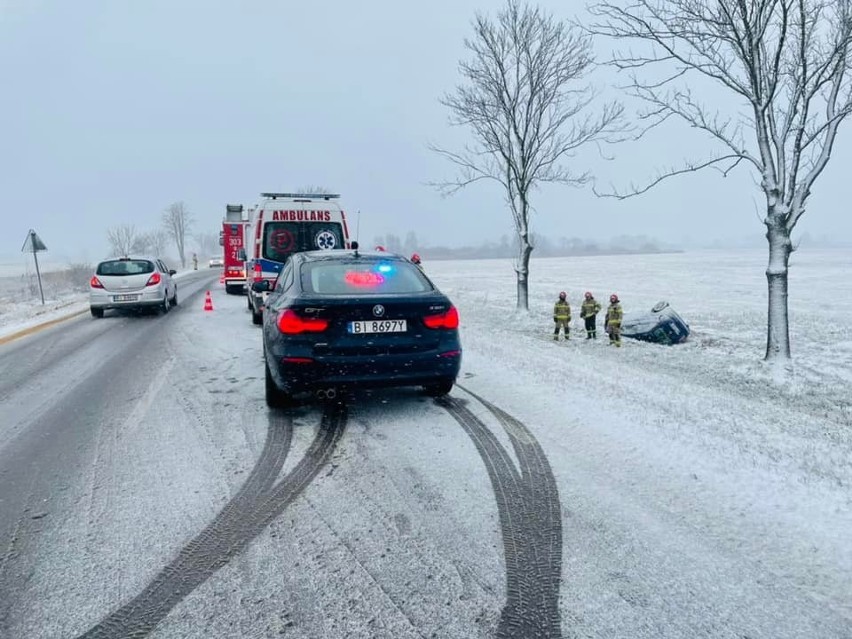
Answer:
[(125, 267), (362, 277), (282, 239)]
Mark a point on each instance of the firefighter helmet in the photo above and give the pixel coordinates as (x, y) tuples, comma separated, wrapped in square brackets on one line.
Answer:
[(563, 295), (588, 295), (415, 258), (613, 298)]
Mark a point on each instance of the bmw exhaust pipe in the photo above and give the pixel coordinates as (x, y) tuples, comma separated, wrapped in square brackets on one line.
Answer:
[(326, 393), (321, 394)]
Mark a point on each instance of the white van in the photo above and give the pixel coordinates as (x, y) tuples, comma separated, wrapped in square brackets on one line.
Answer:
[(287, 223)]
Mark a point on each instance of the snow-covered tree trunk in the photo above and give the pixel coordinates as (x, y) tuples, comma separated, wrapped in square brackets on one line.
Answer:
[(521, 212), (523, 271), (778, 326)]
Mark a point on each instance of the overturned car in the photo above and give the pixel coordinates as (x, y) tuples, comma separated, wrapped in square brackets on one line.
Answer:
[(662, 325)]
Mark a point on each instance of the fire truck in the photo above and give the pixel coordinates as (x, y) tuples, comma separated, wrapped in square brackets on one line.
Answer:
[(286, 223), (232, 238)]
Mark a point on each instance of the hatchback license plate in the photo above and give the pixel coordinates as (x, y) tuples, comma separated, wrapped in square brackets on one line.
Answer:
[(125, 298), (378, 326)]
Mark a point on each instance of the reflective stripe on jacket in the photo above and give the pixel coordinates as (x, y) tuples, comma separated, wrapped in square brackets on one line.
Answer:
[(614, 314), (562, 311), (589, 308)]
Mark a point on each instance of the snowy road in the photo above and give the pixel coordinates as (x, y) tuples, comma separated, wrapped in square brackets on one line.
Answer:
[(145, 490)]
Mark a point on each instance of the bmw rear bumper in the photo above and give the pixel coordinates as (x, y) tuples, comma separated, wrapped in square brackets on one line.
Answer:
[(311, 374)]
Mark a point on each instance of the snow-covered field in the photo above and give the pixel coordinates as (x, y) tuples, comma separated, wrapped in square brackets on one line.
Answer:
[(699, 497), (721, 294)]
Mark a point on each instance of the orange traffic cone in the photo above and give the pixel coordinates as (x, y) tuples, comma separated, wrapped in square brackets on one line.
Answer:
[(208, 302)]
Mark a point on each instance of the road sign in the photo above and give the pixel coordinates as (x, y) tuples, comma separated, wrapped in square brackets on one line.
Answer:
[(34, 244)]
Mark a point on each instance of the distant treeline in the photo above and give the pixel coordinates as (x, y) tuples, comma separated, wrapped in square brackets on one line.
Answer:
[(544, 247)]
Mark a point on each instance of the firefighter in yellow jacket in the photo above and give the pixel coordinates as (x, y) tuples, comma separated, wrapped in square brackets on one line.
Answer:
[(589, 313), (614, 315), (562, 316)]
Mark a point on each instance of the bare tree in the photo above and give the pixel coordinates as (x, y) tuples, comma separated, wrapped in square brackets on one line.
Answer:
[(121, 239), (140, 244), (314, 189), (157, 240), (208, 243), (410, 245), (523, 100), (152, 242), (176, 223), (786, 61)]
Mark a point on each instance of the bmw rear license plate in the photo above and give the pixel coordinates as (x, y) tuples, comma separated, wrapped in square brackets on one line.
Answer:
[(125, 298), (378, 326)]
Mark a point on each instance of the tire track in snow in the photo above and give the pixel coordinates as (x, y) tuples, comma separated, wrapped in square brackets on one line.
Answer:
[(258, 502), (530, 520)]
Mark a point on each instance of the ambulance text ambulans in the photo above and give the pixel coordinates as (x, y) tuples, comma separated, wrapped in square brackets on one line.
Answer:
[(287, 223)]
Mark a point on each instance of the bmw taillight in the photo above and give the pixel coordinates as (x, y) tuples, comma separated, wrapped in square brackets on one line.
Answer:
[(449, 319), (154, 280), (95, 282), (291, 323)]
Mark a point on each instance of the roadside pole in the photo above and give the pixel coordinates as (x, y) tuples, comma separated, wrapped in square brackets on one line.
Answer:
[(34, 244)]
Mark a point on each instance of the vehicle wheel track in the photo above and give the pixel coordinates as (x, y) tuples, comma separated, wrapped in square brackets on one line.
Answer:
[(530, 519), (257, 503), (541, 485)]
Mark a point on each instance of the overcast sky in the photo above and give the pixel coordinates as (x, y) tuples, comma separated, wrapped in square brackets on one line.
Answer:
[(111, 110)]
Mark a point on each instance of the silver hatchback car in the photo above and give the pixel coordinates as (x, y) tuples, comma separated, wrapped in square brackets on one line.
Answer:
[(132, 283)]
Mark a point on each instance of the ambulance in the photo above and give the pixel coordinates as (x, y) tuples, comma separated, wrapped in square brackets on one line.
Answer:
[(286, 223), (232, 239)]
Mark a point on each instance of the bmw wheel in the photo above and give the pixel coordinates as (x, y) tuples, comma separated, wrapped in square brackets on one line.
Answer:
[(440, 388), (275, 397)]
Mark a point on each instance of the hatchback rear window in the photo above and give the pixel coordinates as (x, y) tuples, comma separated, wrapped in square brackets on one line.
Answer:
[(363, 277), (125, 267)]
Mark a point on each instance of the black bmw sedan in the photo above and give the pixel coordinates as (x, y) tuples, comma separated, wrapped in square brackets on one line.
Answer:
[(339, 320)]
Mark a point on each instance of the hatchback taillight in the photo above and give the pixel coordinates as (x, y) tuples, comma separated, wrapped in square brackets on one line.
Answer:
[(449, 319), (291, 323), (95, 282), (154, 280)]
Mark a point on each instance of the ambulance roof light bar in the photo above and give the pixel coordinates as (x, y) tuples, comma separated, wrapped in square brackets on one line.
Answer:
[(302, 196)]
